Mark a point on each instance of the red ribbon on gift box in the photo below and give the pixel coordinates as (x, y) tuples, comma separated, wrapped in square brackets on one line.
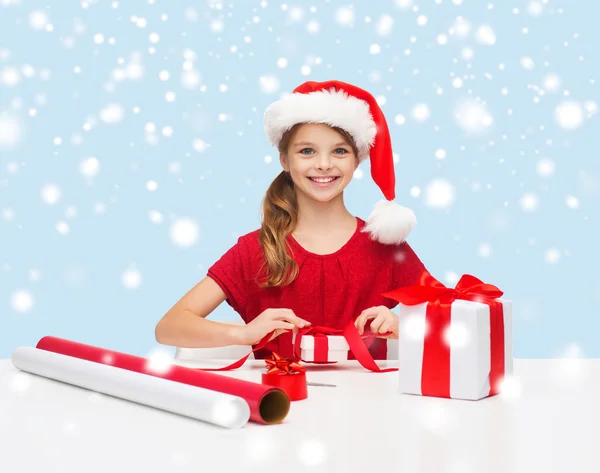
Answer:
[(436, 352), (355, 342), (350, 333), (321, 337)]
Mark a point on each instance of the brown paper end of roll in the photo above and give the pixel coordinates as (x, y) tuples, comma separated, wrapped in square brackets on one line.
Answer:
[(274, 406)]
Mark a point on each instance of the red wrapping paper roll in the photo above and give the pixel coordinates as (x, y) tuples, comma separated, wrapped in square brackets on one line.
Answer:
[(268, 404)]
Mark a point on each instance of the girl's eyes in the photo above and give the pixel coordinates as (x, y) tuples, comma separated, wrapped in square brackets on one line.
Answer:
[(343, 151)]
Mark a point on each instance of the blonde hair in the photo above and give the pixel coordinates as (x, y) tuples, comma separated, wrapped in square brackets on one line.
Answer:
[(280, 215)]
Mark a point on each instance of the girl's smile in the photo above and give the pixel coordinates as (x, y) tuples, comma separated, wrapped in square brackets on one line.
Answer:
[(327, 181)]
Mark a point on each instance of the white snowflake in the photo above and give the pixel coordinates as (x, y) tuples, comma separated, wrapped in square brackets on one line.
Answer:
[(485, 35), (131, 278), (569, 115), (11, 132), (312, 452), (457, 335), (184, 232), (112, 113), (155, 216), (545, 167), (551, 82), (421, 112), (572, 202), (38, 20), (159, 361), (51, 193), (404, 4), (190, 79), (384, 25), (529, 202), (473, 116), (22, 301), (269, 84), (439, 194), (89, 167), (527, 63)]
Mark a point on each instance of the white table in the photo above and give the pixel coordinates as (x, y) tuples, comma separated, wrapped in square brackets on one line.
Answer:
[(549, 421)]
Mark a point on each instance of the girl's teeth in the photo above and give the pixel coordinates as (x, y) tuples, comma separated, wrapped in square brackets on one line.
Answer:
[(323, 180)]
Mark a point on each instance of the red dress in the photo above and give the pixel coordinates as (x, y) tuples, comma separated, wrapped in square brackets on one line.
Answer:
[(329, 290)]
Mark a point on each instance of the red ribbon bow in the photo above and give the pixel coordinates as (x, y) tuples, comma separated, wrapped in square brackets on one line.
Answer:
[(429, 289), (281, 365), (436, 352)]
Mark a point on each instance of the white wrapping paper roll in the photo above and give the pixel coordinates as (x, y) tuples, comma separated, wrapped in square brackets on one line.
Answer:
[(202, 404)]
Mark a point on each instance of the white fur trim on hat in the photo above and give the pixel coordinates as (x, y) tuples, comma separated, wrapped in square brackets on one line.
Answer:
[(390, 223), (331, 107)]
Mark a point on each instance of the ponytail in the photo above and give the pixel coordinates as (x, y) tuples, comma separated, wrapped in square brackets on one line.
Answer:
[(280, 215), (280, 210)]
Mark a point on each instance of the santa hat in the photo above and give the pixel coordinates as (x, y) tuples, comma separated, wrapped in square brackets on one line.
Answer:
[(355, 110)]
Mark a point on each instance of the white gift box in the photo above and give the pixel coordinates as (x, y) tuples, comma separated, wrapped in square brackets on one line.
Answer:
[(337, 348), (468, 337)]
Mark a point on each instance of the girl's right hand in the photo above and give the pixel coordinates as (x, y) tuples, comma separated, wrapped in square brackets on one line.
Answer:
[(277, 321)]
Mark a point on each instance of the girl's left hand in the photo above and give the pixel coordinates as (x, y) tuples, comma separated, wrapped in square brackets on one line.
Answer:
[(383, 320)]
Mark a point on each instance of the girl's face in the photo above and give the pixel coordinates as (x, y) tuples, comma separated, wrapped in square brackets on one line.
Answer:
[(320, 161)]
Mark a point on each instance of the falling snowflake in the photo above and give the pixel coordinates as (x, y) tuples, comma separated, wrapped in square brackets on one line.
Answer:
[(439, 194), (131, 278), (486, 35), (384, 25), (51, 193), (421, 112), (184, 232), (404, 4), (22, 301), (312, 452), (414, 327), (527, 63), (89, 167), (529, 202), (545, 167), (11, 132), (551, 83), (112, 113), (552, 256), (159, 361), (155, 216), (473, 117), (569, 115), (269, 84), (20, 381), (457, 335)]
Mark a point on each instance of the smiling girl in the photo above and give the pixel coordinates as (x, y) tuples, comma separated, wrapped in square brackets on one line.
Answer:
[(311, 261)]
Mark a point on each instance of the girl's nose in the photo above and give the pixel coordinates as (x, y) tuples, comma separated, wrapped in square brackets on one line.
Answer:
[(325, 162)]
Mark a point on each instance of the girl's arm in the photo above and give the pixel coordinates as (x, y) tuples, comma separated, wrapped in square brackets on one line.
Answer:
[(185, 324)]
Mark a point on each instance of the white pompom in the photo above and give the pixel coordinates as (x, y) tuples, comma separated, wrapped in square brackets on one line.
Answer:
[(390, 223)]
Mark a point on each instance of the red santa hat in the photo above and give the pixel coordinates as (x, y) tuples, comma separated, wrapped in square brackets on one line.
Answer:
[(355, 110)]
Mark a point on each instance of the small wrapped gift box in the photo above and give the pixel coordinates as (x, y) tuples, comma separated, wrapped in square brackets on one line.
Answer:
[(454, 342), (287, 375), (322, 348)]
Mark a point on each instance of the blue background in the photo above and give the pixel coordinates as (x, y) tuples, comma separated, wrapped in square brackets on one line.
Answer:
[(75, 280)]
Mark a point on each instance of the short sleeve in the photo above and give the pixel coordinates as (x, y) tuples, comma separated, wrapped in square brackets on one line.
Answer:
[(407, 267), (229, 272)]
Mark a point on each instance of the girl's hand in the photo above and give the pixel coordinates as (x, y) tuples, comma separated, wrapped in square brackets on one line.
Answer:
[(271, 320), (383, 320)]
